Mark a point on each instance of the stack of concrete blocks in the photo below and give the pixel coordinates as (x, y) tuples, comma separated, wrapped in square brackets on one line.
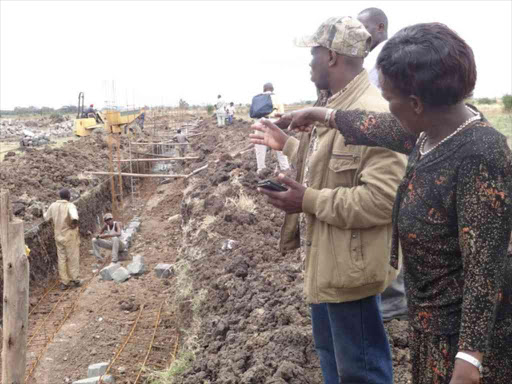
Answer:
[(129, 231), (94, 373)]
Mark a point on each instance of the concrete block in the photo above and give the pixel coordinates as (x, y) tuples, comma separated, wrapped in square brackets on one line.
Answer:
[(163, 270), (120, 274), (138, 259), (107, 379), (107, 272), (228, 245), (97, 369), (135, 225), (136, 268)]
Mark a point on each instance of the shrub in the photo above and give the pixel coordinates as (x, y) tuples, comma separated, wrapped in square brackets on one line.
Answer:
[(507, 102), (209, 109), (485, 100)]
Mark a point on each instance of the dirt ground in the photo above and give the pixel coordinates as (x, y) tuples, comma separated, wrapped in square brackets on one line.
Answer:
[(233, 311), (36, 175), (254, 324)]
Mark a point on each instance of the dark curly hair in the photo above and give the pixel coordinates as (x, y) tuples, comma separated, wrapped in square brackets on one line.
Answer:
[(429, 61)]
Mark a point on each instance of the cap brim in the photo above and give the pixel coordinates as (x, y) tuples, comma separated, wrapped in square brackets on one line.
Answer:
[(305, 41)]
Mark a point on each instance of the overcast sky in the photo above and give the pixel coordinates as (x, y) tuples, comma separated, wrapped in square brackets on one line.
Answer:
[(158, 52)]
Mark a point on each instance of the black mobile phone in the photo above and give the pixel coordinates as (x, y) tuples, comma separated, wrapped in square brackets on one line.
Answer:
[(272, 186)]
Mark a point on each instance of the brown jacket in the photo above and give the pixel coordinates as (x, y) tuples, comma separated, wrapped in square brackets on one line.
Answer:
[(348, 205)]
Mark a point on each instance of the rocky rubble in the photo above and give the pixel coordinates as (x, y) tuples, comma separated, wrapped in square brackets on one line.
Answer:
[(35, 133)]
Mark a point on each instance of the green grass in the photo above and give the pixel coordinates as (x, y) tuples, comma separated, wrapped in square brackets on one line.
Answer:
[(502, 123)]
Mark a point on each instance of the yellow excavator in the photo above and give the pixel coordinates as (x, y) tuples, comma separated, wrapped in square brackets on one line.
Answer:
[(111, 120)]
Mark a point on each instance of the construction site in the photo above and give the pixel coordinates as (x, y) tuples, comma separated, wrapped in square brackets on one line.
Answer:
[(228, 308), (177, 260)]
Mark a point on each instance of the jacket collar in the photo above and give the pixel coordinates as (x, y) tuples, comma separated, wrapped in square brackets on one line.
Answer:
[(351, 92)]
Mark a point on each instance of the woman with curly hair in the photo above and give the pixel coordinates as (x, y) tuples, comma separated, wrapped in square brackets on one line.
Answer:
[(452, 213)]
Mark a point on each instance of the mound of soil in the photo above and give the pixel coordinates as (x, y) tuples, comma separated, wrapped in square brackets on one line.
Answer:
[(35, 177), (252, 323)]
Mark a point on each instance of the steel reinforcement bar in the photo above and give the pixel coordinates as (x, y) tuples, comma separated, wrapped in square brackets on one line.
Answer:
[(49, 336)]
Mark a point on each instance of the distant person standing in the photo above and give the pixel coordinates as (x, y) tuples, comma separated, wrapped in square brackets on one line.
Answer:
[(231, 112), (376, 23), (220, 111), (141, 120), (64, 215), (393, 303), (181, 139), (274, 109)]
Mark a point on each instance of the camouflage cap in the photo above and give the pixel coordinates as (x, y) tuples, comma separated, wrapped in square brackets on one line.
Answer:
[(343, 35)]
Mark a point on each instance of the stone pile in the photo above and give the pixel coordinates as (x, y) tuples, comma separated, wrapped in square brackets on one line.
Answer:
[(129, 231), (32, 133)]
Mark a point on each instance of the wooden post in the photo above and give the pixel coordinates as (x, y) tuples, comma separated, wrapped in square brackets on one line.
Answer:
[(15, 300)]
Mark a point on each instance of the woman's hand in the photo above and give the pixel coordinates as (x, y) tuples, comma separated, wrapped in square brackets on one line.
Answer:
[(271, 135), (302, 120), (465, 373)]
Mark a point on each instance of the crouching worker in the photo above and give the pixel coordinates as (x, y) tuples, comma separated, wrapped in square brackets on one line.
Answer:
[(64, 215), (108, 238)]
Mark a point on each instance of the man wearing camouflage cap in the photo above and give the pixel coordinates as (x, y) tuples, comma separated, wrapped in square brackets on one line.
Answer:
[(339, 211), (108, 238)]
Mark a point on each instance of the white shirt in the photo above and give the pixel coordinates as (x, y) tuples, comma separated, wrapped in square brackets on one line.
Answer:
[(370, 64), (221, 106), (230, 110)]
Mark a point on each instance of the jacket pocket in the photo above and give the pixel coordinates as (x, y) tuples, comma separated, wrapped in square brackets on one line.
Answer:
[(343, 167), (347, 256)]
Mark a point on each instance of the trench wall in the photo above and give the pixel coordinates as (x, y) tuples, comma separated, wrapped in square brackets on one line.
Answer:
[(40, 238)]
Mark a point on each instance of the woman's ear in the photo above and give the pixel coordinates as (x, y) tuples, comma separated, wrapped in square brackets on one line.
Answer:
[(416, 104)]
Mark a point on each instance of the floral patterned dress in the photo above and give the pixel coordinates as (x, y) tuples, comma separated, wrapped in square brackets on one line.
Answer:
[(452, 220)]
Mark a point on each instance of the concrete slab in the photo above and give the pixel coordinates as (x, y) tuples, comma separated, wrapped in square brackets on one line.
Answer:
[(163, 270), (136, 268), (120, 275), (138, 259), (107, 379), (107, 272), (97, 369)]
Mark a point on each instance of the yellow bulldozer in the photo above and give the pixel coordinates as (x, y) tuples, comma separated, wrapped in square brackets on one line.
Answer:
[(113, 121)]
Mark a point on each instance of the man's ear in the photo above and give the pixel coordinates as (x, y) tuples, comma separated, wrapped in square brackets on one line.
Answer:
[(333, 57), (416, 104), (381, 27)]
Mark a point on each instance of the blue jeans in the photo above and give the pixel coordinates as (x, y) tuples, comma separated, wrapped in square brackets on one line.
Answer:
[(351, 342), (230, 119)]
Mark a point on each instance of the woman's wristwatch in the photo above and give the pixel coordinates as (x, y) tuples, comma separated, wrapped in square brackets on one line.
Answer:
[(470, 359)]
